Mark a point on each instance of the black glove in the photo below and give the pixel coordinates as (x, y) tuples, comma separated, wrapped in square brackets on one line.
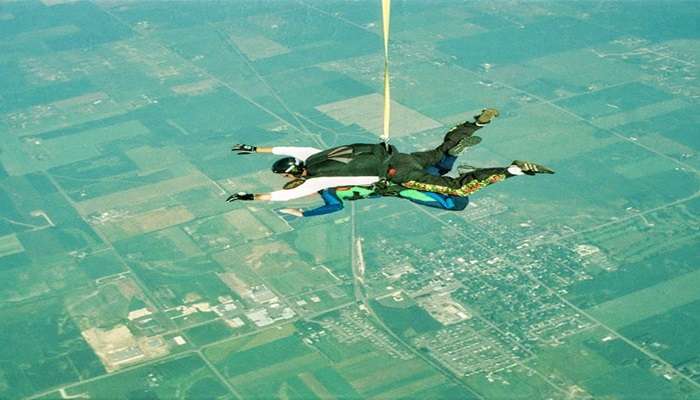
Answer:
[(530, 168), (240, 196), (244, 148)]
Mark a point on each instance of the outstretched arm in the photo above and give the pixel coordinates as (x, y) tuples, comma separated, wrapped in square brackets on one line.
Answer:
[(309, 187), (301, 153)]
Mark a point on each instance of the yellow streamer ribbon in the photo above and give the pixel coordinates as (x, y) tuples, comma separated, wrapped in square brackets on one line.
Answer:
[(386, 16)]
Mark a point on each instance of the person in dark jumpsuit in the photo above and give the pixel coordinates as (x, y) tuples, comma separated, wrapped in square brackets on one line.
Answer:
[(333, 198)]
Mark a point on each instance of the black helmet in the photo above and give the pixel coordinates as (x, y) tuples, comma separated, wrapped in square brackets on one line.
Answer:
[(287, 165)]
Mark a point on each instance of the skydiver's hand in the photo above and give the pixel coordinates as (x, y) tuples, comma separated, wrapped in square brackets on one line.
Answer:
[(240, 196), (244, 149), (297, 212)]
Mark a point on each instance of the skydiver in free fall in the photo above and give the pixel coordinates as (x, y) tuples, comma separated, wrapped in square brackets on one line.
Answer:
[(333, 198), (379, 166)]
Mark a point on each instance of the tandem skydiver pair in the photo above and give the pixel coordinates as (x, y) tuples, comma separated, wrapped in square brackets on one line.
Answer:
[(360, 171)]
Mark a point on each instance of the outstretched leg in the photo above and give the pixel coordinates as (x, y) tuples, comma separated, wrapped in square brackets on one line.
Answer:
[(462, 135), (435, 200), (456, 135), (469, 182), (456, 139), (463, 185)]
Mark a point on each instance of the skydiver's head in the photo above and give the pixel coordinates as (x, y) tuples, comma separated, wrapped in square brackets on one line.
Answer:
[(289, 166)]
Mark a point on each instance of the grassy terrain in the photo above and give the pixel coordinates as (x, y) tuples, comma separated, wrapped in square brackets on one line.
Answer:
[(604, 368), (649, 302), (52, 350), (186, 377)]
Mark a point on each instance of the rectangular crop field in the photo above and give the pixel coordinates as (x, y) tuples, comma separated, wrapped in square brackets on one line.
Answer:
[(648, 302), (9, 244)]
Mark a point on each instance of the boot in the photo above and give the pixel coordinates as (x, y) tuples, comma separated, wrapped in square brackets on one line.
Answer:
[(530, 168), (487, 114)]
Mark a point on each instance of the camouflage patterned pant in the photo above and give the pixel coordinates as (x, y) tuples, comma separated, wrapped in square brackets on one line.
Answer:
[(410, 168)]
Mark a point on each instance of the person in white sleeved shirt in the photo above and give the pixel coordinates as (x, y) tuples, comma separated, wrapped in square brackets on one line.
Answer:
[(291, 168)]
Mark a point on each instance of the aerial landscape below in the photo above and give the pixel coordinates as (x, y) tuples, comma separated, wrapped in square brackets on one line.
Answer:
[(125, 273)]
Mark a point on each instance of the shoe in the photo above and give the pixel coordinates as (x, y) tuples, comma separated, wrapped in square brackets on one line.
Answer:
[(487, 114), (463, 144), (530, 168)]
